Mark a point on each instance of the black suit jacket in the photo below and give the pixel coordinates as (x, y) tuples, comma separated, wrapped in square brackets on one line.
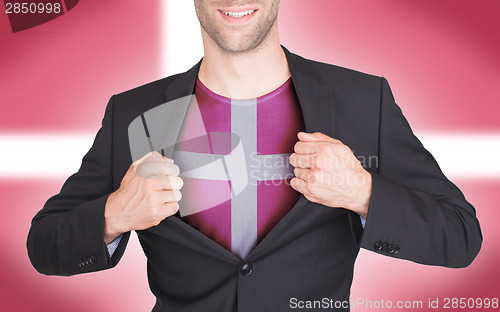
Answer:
[(415, 212)]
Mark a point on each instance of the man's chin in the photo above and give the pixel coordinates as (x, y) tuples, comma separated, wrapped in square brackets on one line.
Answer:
[(240, 46)]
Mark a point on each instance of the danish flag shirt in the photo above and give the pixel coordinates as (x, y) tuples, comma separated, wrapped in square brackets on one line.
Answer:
[(233, 156)]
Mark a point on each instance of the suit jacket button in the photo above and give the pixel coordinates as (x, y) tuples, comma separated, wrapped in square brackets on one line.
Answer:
[(378, 245), (93, 260), (83, 263), (390, 249), (396, 249), (246, 269), (384, 246)]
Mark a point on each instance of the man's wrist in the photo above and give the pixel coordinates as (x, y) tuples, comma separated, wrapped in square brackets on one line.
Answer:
[(362, 201), (110, 230), (110, 233), (109, 238)]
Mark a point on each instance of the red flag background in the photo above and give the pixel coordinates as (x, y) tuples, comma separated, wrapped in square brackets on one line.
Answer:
[(440, 57)]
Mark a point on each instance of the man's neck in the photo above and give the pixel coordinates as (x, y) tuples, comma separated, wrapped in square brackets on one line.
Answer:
[(244, 76)]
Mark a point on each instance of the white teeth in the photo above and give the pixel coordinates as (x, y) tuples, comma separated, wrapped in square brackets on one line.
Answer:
[(239, 14)]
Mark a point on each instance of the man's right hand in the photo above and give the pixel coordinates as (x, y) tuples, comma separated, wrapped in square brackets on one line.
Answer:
[(148, 193)]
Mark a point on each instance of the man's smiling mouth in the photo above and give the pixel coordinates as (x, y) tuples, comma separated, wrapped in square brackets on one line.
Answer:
[(239, 14)]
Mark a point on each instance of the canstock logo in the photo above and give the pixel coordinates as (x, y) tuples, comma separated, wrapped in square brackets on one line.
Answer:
[(27, 14)]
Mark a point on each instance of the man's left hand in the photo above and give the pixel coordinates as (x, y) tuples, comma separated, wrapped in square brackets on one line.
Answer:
[(327, 172)]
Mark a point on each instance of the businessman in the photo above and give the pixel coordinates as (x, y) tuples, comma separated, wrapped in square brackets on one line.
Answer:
[(232, 240)]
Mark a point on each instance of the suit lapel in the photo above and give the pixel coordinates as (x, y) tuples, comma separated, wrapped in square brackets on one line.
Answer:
[(317, 106), (315, 98), (182, 84), (158, 128), (178, 94)]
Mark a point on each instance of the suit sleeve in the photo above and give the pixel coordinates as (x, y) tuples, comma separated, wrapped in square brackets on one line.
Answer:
[(415, 212), (67, 236)]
